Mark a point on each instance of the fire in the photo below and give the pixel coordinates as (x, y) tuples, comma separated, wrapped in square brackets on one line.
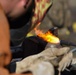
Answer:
[(49, 37)]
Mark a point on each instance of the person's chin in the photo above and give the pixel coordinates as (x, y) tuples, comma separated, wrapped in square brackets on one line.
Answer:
[(17, 13), (28, 3)]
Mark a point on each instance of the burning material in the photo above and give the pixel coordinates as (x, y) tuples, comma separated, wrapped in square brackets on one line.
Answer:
[(48, 36), (51, 36)]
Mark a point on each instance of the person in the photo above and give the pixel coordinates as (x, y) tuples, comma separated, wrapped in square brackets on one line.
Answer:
[(17, 18)]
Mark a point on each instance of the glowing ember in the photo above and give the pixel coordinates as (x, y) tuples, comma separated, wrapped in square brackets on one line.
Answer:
[(49, 37)]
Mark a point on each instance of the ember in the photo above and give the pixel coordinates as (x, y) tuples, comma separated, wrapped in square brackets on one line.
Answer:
[(49, 37)]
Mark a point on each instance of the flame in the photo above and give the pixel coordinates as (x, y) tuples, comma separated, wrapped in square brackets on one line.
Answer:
[(49, 37)]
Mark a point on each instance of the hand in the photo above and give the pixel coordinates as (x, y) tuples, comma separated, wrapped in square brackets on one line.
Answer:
[(5, 53), (66, 61), (4, 39), (54, 55), (4, 71), (46, 55), (37, 68)]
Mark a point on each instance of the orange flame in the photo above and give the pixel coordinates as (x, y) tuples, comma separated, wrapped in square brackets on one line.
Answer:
[(49, 37)]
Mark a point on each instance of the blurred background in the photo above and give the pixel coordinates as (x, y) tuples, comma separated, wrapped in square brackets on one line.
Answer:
[(72, 4)]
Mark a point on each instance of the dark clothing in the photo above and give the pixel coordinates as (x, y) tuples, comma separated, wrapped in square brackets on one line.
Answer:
[(30, 46), (18, 35), (20, 22), (20, 26)]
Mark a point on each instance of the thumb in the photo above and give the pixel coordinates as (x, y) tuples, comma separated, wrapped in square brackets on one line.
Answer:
[(8, 58), (62, 51)]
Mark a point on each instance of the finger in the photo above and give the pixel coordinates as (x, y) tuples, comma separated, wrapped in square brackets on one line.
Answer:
[(60, 67), (73, 61), (59, 73), (4, 71), (64, 66), (7, 58), (62, 51), (69, 62), (1, 58), (66, 60), (69, 58)]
